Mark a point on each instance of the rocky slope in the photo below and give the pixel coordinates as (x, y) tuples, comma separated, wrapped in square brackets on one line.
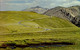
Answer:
[(71, 13), (37, 9)]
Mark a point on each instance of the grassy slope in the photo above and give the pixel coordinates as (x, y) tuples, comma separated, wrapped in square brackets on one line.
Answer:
[(61, 30), (11, 21)]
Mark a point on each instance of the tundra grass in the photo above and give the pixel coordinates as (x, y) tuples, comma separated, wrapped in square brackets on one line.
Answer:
[(21, 22), (28, 27), (49, 36)]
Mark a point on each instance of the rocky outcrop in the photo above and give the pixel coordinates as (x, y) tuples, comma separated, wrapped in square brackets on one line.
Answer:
[(37, 9), (76, 21), (70, 13)]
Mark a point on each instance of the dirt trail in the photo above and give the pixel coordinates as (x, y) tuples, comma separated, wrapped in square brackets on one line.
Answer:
[(45, 29)]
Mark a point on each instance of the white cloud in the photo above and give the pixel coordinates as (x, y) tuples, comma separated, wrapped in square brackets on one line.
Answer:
[(6, 5), (71, 3)]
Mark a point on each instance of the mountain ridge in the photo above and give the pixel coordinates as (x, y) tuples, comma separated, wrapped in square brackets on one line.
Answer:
[(36, 9), (69, 13)]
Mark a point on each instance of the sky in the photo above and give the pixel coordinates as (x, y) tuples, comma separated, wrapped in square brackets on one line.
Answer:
[(18, 5)]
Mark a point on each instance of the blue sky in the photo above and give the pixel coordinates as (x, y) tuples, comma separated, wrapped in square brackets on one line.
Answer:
[(18, 5)]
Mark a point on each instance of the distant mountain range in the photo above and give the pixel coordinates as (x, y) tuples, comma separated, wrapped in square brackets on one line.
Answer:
[(36, 9), (71, 13)]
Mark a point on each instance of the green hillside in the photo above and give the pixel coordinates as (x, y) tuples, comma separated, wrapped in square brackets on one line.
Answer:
[(17, 21), (23, 28)]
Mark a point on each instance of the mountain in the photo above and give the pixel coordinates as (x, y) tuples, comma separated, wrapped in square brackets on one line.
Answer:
[(69, 13), (36, 9)]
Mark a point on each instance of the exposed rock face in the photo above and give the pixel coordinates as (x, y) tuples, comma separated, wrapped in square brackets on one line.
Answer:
[(37, 9), (76, 21), (71, 13)]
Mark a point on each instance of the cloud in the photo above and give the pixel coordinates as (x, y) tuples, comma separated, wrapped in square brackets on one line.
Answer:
[(18, 5), (71, 3)]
